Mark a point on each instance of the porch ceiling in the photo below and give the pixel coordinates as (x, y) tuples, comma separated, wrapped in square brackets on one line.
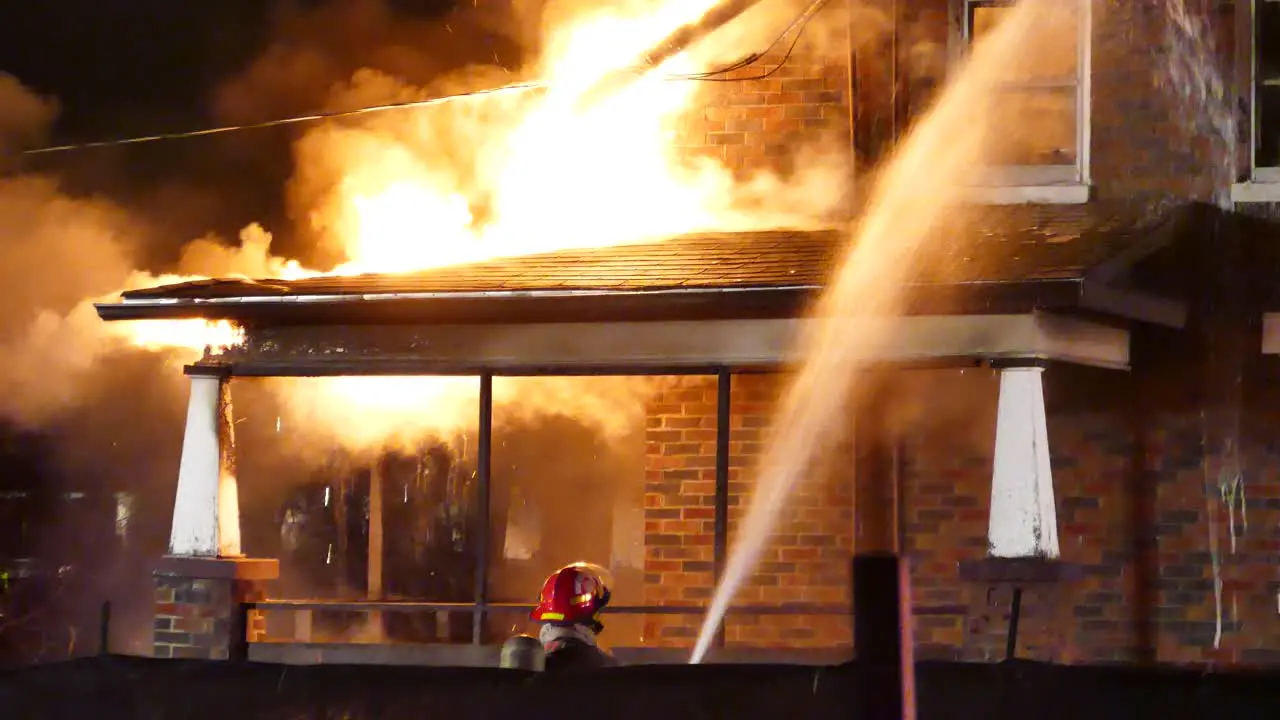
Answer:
[(1005, 260)]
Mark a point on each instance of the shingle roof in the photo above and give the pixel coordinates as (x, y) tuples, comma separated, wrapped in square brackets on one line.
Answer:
[(1000, 245), (990, 260), (762, 259)]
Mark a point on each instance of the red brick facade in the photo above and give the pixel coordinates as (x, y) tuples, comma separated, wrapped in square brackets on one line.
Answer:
[(807, 557), (1138, 457), (196, 617), (1136, 477), (750, 123), (200, 608), (1133, 512)]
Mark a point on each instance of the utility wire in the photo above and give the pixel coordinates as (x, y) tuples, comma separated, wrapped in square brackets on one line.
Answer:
[(766, 74), (798, 25), (520, 87)]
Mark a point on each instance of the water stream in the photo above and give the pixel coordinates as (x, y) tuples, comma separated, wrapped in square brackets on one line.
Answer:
[(908, 211), (1193, 76)]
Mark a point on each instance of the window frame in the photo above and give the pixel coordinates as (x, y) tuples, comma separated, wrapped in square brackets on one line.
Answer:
[(1268, 174), (1036, 176)]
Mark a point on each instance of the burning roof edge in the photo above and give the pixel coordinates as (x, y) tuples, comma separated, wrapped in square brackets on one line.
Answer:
[(766, 274), (979, 298)]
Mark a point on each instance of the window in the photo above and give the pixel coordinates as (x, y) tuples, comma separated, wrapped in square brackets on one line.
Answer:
[(1042, 107), (1266, 91)]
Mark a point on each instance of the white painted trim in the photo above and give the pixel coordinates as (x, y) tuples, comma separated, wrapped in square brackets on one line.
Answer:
[(757, 342), (1265, 175), (1084, 98), (1271, 333), (1253, 91), (1029, 195), (1023, 520), (1258, 175), (1080, 174), (206, 514), (1255, 192), (1004, 175)]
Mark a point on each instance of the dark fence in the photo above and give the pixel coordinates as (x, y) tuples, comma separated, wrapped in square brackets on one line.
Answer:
[(114, 688)]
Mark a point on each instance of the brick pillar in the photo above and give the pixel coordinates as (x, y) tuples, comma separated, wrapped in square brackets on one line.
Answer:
[(203, 584), (1022, 535), (199, 606)]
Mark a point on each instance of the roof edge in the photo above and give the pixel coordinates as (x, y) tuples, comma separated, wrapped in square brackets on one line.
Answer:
[(985, 298)]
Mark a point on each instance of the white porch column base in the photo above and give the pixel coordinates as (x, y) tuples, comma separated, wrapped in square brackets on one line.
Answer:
[(206, 511), (1024, 518)]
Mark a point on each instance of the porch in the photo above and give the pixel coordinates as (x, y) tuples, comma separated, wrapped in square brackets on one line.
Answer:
[(714, 315)]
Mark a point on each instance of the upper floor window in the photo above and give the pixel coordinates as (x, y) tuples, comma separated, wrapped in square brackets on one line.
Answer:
[(1041, 107), (1266, 90)]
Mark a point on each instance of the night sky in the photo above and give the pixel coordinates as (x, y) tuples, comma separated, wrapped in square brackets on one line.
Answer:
[(139, 67), (142, 65)]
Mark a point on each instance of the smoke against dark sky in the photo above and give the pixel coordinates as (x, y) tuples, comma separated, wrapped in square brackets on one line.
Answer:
[(78, 226), (25, 117)]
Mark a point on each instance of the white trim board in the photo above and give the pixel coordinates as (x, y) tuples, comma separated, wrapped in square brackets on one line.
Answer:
[(756, 342), (1271, 333), (1050, 185)]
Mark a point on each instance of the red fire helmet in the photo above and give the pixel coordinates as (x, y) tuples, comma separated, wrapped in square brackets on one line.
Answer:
[(574, 594)]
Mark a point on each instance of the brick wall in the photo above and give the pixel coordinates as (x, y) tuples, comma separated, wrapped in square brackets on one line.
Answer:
[(750, 124), (807, 557), (1139, 496), (1105, 615), (947, 422), (1192, 509), (1133, 510), (1144, 143), (196, 617)]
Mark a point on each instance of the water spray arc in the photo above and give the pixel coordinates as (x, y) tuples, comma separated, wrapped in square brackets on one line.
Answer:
[(908, 207)]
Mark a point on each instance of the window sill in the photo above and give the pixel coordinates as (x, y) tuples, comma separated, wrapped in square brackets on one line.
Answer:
[(1255, 192), (1070, 194)]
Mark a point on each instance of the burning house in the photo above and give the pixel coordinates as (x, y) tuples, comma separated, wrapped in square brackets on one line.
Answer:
[(1061, 420)]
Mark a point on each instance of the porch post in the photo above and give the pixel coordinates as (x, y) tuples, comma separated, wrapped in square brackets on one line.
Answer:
[(206, 511), (204, 585), (1023, 522), (882, 622)]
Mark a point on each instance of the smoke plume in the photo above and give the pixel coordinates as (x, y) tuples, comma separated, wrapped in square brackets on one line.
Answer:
[(24, 115), (509, 170)]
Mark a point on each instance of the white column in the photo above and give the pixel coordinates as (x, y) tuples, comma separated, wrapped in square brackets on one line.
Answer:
[(1024, 518), (206, 512)]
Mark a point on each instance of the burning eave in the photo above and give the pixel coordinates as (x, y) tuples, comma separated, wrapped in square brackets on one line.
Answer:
[(474, 307), (1081, 295), (707, 277)]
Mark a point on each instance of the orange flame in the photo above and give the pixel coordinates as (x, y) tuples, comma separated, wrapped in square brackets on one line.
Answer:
[(554, 175), (217, 336), (540, 172)]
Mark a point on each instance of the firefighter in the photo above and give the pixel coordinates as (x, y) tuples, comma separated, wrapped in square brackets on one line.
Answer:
[(568, 608)]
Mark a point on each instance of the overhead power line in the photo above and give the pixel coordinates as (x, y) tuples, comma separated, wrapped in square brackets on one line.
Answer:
[(520, 87), (718, 75)]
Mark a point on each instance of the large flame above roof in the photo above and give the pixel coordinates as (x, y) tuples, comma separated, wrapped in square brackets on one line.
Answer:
[(521, 173)]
